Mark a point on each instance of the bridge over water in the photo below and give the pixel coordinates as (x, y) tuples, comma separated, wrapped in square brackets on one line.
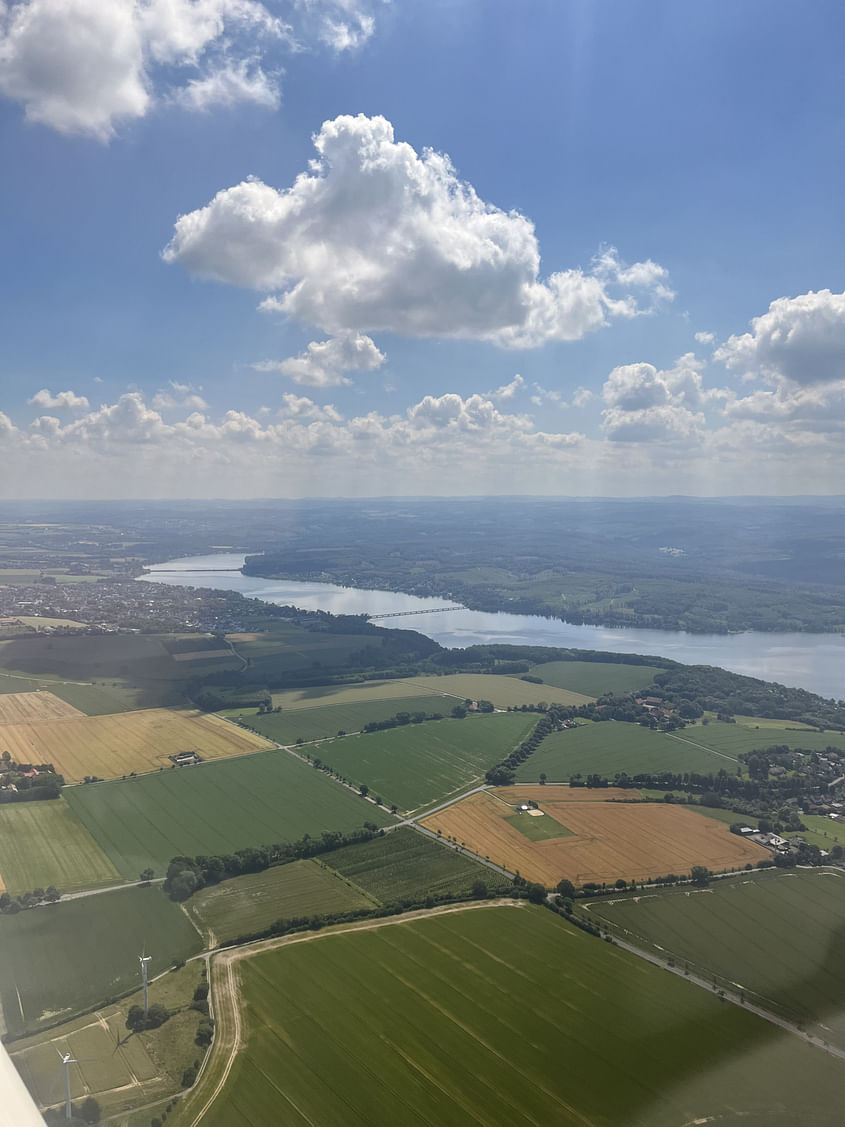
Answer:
[(408, 613)]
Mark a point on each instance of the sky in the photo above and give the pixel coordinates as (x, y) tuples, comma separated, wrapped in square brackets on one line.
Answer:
[(299, 248)]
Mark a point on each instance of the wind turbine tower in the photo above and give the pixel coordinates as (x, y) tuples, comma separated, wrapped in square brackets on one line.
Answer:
[(144, 960), (67, 1060)]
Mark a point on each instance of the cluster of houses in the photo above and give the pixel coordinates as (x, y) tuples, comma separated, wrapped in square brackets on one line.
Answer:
[(113, 606), (659, 708)]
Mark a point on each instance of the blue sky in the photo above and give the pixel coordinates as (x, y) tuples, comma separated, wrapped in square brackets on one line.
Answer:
[(566, 248)]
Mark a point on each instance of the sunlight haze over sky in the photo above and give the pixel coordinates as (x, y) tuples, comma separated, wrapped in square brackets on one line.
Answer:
[(354, 247)]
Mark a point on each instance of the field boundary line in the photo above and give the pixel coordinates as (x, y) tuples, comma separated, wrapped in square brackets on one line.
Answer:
[(735, 999), (702, 747), (225, 1003)]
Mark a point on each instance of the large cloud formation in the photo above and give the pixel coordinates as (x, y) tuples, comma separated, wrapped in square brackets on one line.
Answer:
[(85, 66), (129, 448), (800, 340), (376, 237), (645, 404), (797, 349)]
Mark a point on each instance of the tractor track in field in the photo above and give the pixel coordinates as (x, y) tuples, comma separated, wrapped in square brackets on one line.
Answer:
[(224, 982)]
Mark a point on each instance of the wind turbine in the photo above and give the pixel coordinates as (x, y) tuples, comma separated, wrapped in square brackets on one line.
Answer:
[(67, 1060), (144, 960)]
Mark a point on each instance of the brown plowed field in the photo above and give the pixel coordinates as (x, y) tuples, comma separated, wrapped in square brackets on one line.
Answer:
[(636, 841), (112, 746), (29, 708)]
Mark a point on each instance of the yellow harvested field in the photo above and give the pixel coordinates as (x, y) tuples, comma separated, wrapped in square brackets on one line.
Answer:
[(245, 637), (606, 840), (201, 655), (112, 746), (31, 708)]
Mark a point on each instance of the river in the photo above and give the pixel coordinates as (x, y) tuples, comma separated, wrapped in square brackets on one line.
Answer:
[(810, 661)]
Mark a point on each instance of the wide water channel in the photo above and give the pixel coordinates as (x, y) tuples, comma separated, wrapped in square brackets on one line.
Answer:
[(811, 661)]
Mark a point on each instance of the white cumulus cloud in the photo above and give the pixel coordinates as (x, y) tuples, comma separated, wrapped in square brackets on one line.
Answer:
[(647, 404), (377, 237), (84, 66), (62, 400), (800, 340), (323, 362)]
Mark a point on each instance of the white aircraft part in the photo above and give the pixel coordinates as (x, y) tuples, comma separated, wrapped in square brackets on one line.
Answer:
[(17, 1107)]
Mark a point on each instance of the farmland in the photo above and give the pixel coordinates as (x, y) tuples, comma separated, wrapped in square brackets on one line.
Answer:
[(214, 808), (501, 690), (110, 746), (120, 1071), (62, 958), (26, 708), (418, 763), (606, 840), (91, 657), (43, 843), (385, 1026), (734, 739), (253, 902), (782, 936), (595, 678), (102, 673), (318, 696), (406, 866), (89, 697), (320, 722), (608, 747)]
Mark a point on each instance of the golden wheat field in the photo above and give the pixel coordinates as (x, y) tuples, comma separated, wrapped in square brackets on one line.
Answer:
[(29, 708), (606, 840), (112, 746)]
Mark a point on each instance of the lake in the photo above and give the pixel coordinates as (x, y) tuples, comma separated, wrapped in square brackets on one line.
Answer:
[(811, 661)]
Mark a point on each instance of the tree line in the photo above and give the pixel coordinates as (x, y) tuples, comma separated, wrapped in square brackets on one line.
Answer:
[(187, 875)]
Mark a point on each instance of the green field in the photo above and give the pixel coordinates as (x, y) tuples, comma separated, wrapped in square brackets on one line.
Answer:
[(62, 958), (404, 865), (781, 935), (43, 843), (822, 832), (596, 677), (608, 747), (253, 902), (317, 696), (94, 699), (130, 670), (538, 829), (288, 648), (504, 1017), (214, 808), (419, 763), (501, 690), (733, 739), (320, 722)]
